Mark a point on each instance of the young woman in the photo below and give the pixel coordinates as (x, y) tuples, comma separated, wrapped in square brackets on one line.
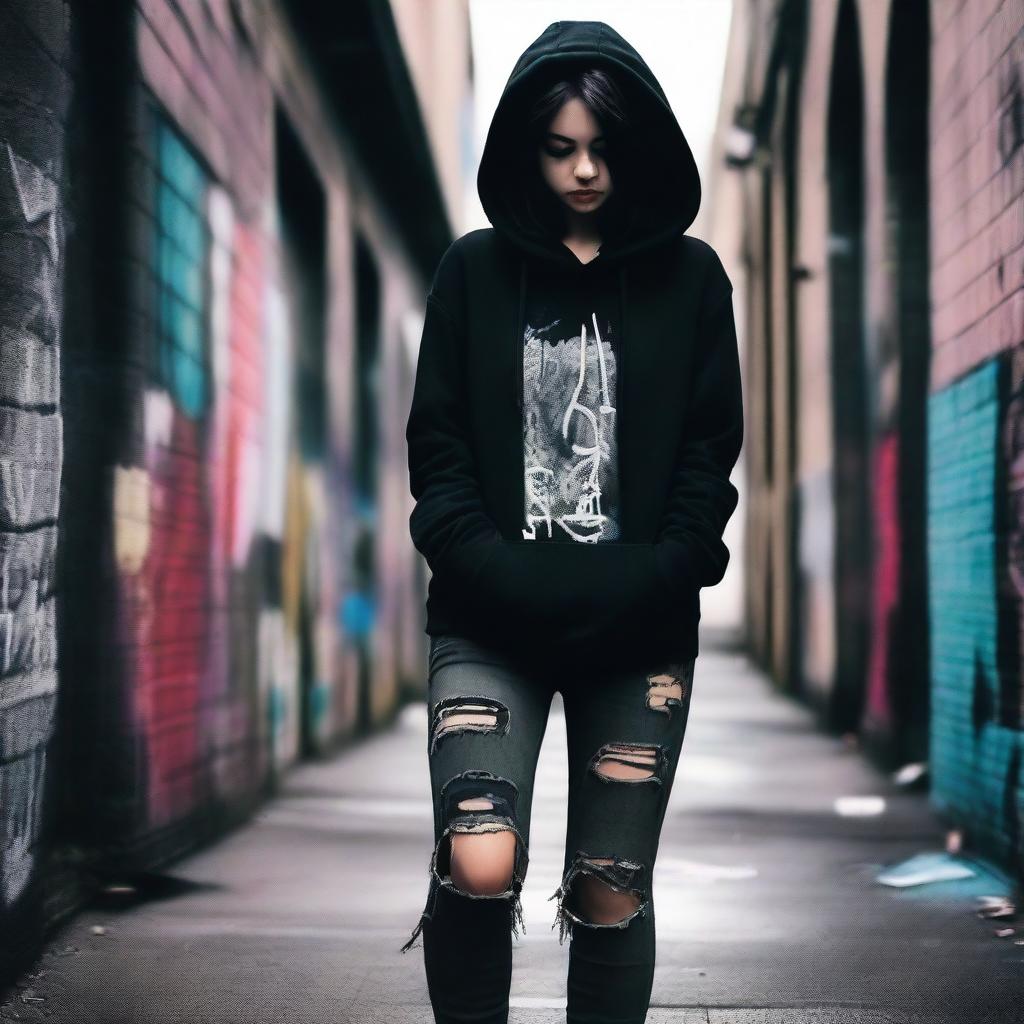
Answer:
[(576, 417)]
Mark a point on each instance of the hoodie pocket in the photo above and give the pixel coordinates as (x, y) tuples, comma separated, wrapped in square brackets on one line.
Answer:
[(676, 575)]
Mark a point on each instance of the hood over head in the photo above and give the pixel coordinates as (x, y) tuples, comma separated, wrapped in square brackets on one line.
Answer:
[(657, 158)]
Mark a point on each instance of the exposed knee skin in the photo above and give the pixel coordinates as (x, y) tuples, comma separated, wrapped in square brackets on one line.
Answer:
[(482, 863), (481, 853), (600, 892), (599, 902)]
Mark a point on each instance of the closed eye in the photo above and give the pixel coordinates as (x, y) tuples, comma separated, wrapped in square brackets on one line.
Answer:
[(559, 153)]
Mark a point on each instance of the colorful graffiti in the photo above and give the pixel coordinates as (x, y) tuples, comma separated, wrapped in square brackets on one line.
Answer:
[(186, 518), (233, 486), (163, 522), (976, 757)]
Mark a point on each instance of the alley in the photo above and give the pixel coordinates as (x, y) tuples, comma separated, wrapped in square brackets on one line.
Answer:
[(253, 414), (766, 896)]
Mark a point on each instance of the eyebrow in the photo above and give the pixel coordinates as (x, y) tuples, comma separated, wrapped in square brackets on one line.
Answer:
[(565, 138)]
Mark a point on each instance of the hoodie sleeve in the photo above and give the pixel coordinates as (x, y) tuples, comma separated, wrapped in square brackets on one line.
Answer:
[(449, 524), (691, 552)]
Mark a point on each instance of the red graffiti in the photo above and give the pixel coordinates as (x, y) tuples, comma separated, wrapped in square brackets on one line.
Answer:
[(885, 597)]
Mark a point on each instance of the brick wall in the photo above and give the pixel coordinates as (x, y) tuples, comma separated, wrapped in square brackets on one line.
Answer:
[(974, 502), (907, 397), (34, 93), (198, 281)]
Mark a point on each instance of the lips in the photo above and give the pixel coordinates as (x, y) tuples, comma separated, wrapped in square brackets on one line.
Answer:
[(584, 193)]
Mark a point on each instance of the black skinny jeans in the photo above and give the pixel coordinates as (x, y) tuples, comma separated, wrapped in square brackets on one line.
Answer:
[(487, 716)]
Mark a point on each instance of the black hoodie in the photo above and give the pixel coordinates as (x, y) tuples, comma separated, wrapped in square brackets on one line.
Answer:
[(670, 402)]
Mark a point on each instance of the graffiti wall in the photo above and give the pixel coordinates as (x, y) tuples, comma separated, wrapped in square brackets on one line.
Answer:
[(975, 603), (202, 496), (214, 533), (163, 522)]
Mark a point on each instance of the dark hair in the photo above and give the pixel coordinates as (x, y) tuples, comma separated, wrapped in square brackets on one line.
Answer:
[(601, 94)]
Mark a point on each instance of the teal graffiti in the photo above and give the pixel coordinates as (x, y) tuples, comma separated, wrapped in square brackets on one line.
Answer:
[(277, 709), (357, 613), (971, 753), (319, 702), (182, 242)]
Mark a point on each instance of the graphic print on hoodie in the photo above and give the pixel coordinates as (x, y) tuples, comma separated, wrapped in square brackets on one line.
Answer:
[(570, 449)]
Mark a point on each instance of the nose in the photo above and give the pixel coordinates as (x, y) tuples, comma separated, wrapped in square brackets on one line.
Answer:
[(585, 169)]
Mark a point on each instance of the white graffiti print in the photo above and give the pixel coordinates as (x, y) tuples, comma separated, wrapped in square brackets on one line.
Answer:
[(569, 435)]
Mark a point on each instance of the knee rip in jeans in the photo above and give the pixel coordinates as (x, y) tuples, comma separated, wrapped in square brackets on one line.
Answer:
[(633, 763), (669, 688), (467, 714), (478, 802), (621, 876)]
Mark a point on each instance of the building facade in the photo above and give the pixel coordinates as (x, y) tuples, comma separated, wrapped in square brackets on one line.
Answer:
[(878, 227), (213, 276)]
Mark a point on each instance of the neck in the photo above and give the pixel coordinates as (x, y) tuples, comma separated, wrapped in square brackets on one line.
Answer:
[(581, 228)]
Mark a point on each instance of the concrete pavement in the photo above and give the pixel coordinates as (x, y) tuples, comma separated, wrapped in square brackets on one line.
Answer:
[(768, 911)]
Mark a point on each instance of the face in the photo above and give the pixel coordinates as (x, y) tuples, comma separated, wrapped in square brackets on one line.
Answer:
[(573, 158)]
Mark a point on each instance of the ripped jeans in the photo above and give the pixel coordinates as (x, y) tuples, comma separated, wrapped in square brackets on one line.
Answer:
[(487, 718)]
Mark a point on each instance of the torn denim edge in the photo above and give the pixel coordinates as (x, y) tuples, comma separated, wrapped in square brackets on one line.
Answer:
[(681, 674), (657, 770), (514, 890), (610, 875), (449, 706)]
